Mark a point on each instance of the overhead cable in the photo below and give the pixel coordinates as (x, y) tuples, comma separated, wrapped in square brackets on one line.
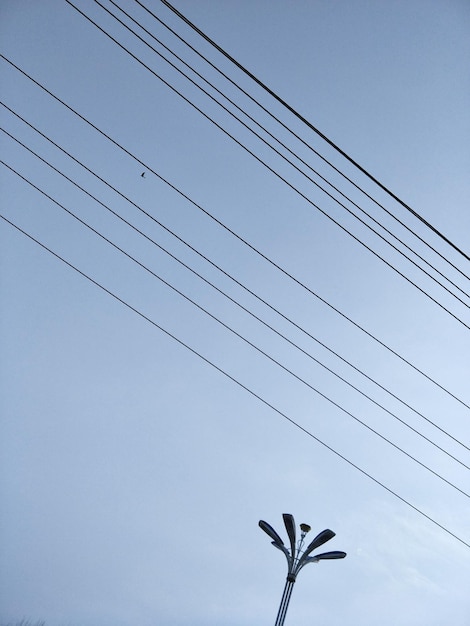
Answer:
[(234, 301), (313, 128), (292, 153), (237, 236), (282, 178), (298, 137), (292, 133), (237, 382), (227, 327)]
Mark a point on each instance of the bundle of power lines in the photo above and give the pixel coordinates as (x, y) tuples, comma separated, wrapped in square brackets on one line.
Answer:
[(435, 272)]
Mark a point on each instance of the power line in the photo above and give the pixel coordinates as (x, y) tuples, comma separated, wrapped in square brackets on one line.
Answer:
[(237, 382), (227, 327), (292, 133), (293, 165), (221, 291), (282, 178), (311, 127), (291, 152), (237, 236)]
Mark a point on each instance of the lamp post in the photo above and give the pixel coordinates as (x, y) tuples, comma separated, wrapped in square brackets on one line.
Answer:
[(296, 557)]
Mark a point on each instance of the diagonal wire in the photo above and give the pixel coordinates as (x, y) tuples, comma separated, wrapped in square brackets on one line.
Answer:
[(311, 127), (237, 236), (292, 153), (246, 310), (297, 191), (237, 382), (290, 131), (235, 333)]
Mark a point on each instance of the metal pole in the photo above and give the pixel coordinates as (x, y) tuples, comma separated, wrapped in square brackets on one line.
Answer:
[(281, 606), (281, 615), (286, 603)]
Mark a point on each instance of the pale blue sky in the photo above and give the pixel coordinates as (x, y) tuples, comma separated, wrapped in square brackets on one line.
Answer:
[(133, 473)]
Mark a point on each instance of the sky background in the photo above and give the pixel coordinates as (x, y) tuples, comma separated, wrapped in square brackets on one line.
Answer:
[(133, 472)]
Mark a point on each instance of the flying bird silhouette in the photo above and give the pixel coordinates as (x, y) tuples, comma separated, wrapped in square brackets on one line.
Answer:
[(143, 174)]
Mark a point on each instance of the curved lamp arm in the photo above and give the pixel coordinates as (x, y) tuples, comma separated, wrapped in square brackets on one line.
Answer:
[(319, 540), (289, 523), (335, 554), (269, 530)]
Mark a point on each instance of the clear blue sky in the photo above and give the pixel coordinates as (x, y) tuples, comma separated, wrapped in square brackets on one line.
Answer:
[(133, 472)]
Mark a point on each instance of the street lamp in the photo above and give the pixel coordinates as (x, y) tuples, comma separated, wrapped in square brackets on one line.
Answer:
[(296, 557)]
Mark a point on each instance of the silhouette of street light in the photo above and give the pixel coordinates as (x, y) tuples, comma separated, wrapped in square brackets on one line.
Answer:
[(296, 557)]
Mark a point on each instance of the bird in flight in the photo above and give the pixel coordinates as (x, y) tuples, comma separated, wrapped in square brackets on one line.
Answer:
[(143, 174)]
